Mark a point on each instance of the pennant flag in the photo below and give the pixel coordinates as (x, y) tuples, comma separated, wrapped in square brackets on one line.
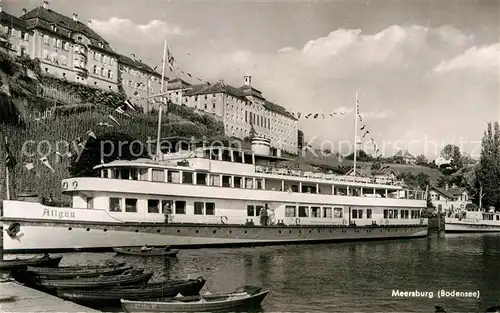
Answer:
[(323, 115), (307, 116), (188, 74), (105, 124), (377, 150), (46, 163), (59, 156), (120, 110), (360, 118), (113, 119), (362, 128), (29, 166), (299, 114), (342, 113), (130, 105), (366, 132), (10, 161), (170, 60), (372, 139), (316, 115), (91, 134), (136, 93)]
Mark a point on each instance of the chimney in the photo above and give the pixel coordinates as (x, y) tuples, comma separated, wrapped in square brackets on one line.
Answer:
[(75, 17), (24, 11), (446, 186), (89, 23), (46, 5), (133, 56), (248, 80)]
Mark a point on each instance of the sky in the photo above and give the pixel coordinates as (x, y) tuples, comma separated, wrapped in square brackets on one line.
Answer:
[(427, 73)]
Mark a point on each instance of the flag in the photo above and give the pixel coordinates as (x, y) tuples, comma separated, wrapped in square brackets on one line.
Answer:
[(10, 161), (59, 156), (366, 133), (298, 114), (29, 166), (316, 115), (307, 116), (46, 163), (170, 60), (129, 104), (136, 93), (323, 115), (342, 113), (91, 134), (113, 119), (362, 128), (120, 110)]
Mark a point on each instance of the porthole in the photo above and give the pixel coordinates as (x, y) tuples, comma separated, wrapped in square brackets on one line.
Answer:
[(88, 229), (178, 230), (289, 231), (136, 230), (309, 231), (246, 231), (158, 231), (230, 231), (279, 231), (319, 230), (105, 229), (197, 231), (214, 231), (70, 228)]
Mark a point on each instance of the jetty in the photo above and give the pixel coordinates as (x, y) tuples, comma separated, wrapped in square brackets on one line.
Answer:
[(15, 297)]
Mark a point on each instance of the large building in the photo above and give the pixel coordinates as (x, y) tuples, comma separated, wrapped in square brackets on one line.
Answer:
[(240, 108), (71, 50)]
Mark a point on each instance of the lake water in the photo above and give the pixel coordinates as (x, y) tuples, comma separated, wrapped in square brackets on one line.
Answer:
[(345, 277)]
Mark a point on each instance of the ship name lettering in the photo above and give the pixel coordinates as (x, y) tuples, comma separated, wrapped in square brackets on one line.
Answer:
[(57, 213)]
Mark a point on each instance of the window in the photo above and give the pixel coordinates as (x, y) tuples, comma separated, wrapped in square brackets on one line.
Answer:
[(396, 213), (153, 206), (214, 180), (125, 173), (303, 211), (158, 175), (354, 213), (66, 46), (360, 213), (187, 177), (167, 206), (180, 207), (201, 179), (368, 213), (94, 69), (237, 182), (327, 212), (386, 214), (115, 204), (110, 74), (198, 208), (130, 205), (315, 211), (226, 181), (249, 183), (46, 39), (210, 208), (259, 183), (90, 203), (143, 174), (251, 210), (290, 211), (59, 43)]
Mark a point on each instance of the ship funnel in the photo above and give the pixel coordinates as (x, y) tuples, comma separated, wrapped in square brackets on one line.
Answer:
[(261, 145)]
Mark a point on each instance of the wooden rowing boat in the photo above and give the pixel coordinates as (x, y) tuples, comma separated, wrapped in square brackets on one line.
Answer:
[(142, 251), (244, 298), (22, 264), (65, 273), (129, 277), (166, 288)]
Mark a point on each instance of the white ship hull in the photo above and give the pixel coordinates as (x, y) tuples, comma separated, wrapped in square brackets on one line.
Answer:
[(470, 228), (59, 237)]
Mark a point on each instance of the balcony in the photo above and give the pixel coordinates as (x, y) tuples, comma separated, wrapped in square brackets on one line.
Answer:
[(80, 67), (80, 50)]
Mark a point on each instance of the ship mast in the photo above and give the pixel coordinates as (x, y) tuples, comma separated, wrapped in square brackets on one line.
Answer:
[(355, 135), (158, 150)]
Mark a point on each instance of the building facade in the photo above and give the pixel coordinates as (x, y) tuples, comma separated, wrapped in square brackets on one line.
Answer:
[(240, 109), (448, 200)]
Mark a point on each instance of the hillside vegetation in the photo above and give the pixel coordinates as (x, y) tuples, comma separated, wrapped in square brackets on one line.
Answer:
[(31, 139)]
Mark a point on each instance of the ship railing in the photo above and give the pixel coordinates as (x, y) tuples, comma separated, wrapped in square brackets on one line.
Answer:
[(340, 178)]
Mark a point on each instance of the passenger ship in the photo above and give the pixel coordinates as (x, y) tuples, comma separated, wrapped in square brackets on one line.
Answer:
[(212, 196)]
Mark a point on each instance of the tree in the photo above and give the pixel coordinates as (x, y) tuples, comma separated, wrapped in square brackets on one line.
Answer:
[(421, 180), (488, 173), (421, 160), (361, 156), (377, 165), (107, 147), (452, 152)]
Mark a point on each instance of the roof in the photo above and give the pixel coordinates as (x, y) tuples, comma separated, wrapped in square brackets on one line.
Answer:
[(444, 192), (456, 192), (273, 107), (12, 21), (42, 18), (404, 153), (215, 88), (136, 64), (250, 91)]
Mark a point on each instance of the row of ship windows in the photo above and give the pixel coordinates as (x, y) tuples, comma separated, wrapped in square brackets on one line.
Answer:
[(129, 205)]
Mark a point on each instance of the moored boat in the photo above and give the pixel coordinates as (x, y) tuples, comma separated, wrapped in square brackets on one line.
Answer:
[(151, 290), (246, 298), (130, 277), (64, 273), (147, 251), (472, 221), (21, 264)]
